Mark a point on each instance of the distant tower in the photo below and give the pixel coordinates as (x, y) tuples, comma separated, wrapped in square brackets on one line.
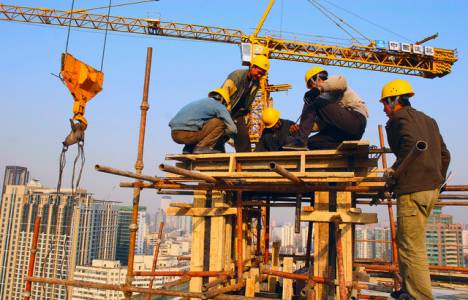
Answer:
[(15, 175)]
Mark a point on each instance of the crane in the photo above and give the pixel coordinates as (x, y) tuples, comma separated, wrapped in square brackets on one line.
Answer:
[(366, 57), (435, 62)]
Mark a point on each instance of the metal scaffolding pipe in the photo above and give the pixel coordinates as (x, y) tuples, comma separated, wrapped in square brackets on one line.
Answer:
[(187, 173), (285, 173), (110, 170), (144, 107), (156, 255), (32, 257), (183, 273), (115, 287), (253, 187)]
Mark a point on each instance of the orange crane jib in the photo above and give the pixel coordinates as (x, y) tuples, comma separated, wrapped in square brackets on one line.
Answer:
[(83, 81)]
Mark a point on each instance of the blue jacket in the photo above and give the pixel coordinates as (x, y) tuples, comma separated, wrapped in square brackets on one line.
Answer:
[(193, 116)]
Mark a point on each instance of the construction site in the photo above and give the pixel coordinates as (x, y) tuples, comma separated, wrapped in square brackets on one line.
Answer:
[(231, 196)]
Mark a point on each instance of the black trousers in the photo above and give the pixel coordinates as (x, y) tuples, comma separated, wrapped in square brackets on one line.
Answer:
[(336, 123), (242, 139)]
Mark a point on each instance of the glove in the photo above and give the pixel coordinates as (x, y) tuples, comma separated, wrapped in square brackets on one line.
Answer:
[(293, 129), (388, 178), (310, 95)]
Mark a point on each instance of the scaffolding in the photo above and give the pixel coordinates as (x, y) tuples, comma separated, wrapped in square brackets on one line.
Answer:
[(233, 194)]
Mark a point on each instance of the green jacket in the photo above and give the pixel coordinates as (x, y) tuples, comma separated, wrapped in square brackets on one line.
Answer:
[(428, 171), (241, 90)]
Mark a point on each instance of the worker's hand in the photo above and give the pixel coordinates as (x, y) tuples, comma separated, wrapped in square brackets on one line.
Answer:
[(388, 178), (230, 142), (310, 95), (294, 128)]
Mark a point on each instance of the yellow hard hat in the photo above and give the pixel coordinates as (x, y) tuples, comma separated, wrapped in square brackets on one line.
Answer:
[(223, 93), (312, 72), (270, 117), (396, 87), (261, 61)]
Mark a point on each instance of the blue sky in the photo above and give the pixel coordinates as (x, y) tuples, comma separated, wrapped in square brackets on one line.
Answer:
[(36, 106)]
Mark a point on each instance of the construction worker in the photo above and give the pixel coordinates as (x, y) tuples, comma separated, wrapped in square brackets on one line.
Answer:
[(417, 188), (331, 108), (242, 86), (277, 132), (204, 125)]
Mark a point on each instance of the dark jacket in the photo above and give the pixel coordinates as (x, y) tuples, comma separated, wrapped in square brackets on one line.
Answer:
[(241, 90), (428, 171), (275, 139)]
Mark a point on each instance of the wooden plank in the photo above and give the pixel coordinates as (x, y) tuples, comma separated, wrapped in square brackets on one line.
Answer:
[(217, 236), (343, 200), (250, 287), (181, 204), (255, 274), (287, 283), (272, 280), (228, 175), (198, 243), (264, 155), (200, 211), (321, 238), (346, 217)]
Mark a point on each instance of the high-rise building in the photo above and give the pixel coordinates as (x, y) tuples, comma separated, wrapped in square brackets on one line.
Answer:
[(465, 244), (383, 243), (112, 272), (123, 233), (364, 249), (444, 240), (159, 216), (15, 175), (75, 229)]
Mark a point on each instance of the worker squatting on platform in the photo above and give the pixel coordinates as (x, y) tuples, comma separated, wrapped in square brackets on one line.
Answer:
[(417, 188), (204, 126), (331, 108)]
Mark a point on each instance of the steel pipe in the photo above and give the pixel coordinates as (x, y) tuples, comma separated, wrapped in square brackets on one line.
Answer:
[(418, 148), (110, 170), (285, 173), (187, 173), (114, 287), (32, 257), (183, 273)]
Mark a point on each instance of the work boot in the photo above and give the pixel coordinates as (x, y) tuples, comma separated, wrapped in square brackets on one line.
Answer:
[(188, 149), (296, 145), (204, 150), (400, 295)]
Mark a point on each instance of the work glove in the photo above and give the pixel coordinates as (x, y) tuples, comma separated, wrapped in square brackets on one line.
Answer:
[(293, 129), (388, 178), (310, 95)]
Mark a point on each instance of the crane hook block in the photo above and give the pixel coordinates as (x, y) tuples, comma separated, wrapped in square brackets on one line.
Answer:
[(83, 81)]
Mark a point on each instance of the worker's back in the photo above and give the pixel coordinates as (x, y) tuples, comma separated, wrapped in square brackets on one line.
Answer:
[(428, 171)]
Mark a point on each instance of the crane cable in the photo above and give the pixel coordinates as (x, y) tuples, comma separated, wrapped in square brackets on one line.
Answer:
[(369, 21), (330, 15)]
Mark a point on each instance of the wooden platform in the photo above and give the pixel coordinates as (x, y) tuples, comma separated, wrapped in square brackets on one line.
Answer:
[(227, 237)]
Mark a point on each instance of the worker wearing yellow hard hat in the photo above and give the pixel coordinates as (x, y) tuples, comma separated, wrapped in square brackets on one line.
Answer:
[(332, 109), (242, 86), (277, 132), (417, 187), (203, 126)]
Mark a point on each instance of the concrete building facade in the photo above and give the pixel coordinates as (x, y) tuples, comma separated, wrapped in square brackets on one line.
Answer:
[(75, 229)]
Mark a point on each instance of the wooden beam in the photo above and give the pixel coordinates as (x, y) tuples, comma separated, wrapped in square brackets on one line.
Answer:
[(198, 242), (217, 236), (287, 283), (346, 217), (181, 205), (200, 211)]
